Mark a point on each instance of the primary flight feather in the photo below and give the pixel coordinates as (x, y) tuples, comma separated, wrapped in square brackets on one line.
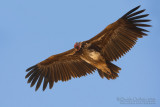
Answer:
[(94, 54)]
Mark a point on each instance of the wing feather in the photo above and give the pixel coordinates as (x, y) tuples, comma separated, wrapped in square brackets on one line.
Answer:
[(35, 78), (40, 79), (51, 80)]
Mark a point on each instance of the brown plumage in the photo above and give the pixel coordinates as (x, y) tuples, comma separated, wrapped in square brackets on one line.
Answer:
[(94, 54)]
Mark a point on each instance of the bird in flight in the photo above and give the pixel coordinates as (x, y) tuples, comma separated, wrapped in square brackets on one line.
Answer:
[(92, 55)]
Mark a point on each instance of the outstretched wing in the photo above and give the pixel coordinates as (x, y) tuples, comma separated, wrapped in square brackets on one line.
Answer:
[(119, 37), (62, 67)]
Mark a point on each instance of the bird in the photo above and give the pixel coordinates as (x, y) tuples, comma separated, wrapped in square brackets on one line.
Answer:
[(93, 55)]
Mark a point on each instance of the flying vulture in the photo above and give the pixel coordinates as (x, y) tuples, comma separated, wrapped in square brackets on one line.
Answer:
[(92, 55)]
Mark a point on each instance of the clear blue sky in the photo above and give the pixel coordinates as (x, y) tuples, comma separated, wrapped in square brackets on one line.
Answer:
[(32, 30)]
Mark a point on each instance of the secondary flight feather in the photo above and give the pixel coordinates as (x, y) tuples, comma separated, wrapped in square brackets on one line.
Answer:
[(92, 55)]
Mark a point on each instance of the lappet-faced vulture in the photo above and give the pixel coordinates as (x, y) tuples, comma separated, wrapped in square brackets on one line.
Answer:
[(92, 55)]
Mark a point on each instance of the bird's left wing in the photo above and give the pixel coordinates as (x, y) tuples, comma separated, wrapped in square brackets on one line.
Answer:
[(119, 37), (62, 67)]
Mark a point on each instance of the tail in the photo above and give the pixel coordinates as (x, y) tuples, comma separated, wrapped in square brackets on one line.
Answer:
[(114, 71)]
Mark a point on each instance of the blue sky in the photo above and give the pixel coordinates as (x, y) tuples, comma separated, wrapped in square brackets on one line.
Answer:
[(32, 30)]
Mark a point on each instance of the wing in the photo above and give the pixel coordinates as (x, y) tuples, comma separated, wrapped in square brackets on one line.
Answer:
[(119, 37), (62, 67)]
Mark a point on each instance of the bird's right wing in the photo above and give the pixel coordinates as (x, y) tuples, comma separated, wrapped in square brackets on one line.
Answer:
[(58, 67)]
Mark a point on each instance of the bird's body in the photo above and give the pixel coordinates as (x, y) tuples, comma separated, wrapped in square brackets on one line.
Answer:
[(94, 57), (94, 54)]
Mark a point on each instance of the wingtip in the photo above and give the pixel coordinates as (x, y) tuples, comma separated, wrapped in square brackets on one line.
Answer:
[(131, 11), (26, 77), (30, 68), (43, 89), (29, 80), (138, 6), (36, 89), (31, 85), (51, 86)]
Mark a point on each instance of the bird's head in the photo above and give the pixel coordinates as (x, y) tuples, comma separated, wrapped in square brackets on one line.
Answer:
[(77, 45)]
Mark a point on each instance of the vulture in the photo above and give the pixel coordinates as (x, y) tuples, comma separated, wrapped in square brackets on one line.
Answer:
[(95, 54)]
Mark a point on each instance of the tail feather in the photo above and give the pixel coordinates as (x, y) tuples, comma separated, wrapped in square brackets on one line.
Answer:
[(101, 73), (114, 71)]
